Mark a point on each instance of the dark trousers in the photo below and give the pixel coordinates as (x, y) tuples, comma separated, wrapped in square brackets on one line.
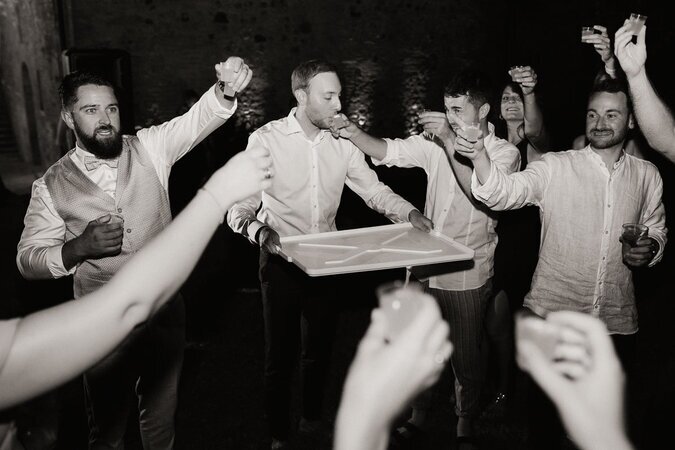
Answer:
[(299, 311), (144, 371), (545, 428), (465, 313)]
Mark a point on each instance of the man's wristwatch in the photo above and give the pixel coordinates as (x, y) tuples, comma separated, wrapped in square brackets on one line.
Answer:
[(221, 86)]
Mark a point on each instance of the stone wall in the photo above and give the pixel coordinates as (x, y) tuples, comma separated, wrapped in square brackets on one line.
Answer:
[(394, 53), (29, 75)]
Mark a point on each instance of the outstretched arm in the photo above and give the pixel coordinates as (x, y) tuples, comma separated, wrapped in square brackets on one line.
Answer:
[(168, 142), (654, 118), (533, 125), (54, 345), (603, 48)]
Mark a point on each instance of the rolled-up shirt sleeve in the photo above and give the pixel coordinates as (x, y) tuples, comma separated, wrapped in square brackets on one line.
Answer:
[(410, 152), (39, 249), (654, 216), (241, 217), (170, 141), (502, 191), (364, 182)]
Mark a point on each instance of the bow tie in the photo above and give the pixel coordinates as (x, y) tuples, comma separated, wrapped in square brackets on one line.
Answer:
[(92, 162)]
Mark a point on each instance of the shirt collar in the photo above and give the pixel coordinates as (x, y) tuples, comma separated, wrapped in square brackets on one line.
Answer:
[(599, 160), (81, 154), (293, 126), (491, 134)]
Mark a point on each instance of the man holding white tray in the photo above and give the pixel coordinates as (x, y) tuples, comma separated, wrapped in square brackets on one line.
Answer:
[(312, 165)]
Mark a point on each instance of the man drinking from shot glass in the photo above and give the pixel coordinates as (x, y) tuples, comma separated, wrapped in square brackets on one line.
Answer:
[(585, 196)]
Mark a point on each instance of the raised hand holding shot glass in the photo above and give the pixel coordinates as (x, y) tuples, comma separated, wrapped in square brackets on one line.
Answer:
[(233, 76), (636, 21), (638, 249), (425, 133)]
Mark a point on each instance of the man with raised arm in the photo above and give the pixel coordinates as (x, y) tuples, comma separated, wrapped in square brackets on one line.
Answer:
[(96, 207), (461, 291)]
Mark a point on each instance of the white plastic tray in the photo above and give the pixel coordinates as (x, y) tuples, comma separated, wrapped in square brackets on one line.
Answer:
[(372, 248)]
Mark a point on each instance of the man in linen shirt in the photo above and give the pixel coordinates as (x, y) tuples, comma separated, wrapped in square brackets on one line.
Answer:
[(311, 168), (585, 196), (462, 292), (90, 212)]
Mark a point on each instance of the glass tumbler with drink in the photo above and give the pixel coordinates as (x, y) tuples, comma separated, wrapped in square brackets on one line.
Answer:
[(399, 303), (472, 131), (632, 233)]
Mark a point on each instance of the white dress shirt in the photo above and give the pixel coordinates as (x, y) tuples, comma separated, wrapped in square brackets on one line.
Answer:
[(309, 178), (449, 208), (582, 209), (43, 236)]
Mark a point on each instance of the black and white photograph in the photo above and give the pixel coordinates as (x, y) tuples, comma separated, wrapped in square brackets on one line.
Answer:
[(337, 224)]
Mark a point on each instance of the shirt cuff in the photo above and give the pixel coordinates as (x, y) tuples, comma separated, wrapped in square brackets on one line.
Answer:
[(253, 228), (392, 154), (408, 209), (217, 108), (659, 253), (54, 259)]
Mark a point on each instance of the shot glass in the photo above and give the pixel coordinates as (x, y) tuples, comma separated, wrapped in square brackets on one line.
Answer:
[(636, 21), (586, 32), (227, 75), (337, 122), (472, 131), (425, 134), (399, 303), (514, 71)]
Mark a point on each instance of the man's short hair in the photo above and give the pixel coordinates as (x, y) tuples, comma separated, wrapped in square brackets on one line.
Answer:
[(613, 86), (72, 81), (307, 70), (473, 83)]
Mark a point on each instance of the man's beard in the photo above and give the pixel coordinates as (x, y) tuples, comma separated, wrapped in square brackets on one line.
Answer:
[(109, 147), (602, 142)]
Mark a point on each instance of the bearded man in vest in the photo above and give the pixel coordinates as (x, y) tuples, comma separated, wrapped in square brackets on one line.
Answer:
[(96, 207)]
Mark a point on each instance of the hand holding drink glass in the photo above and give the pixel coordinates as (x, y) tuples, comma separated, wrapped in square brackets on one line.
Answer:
[(637, 247), (635, 23), (233, 75), (525, 76), (336, 123), (399, 304)]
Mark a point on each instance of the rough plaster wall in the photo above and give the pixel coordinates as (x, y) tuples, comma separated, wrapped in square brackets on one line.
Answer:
[(29, 34)]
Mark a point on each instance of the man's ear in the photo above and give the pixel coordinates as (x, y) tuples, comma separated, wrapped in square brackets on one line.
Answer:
[(483, 111), (67, 117), (631, 121), (300, 96)]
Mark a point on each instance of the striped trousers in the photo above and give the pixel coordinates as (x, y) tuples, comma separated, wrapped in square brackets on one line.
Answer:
[(465, 313)]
